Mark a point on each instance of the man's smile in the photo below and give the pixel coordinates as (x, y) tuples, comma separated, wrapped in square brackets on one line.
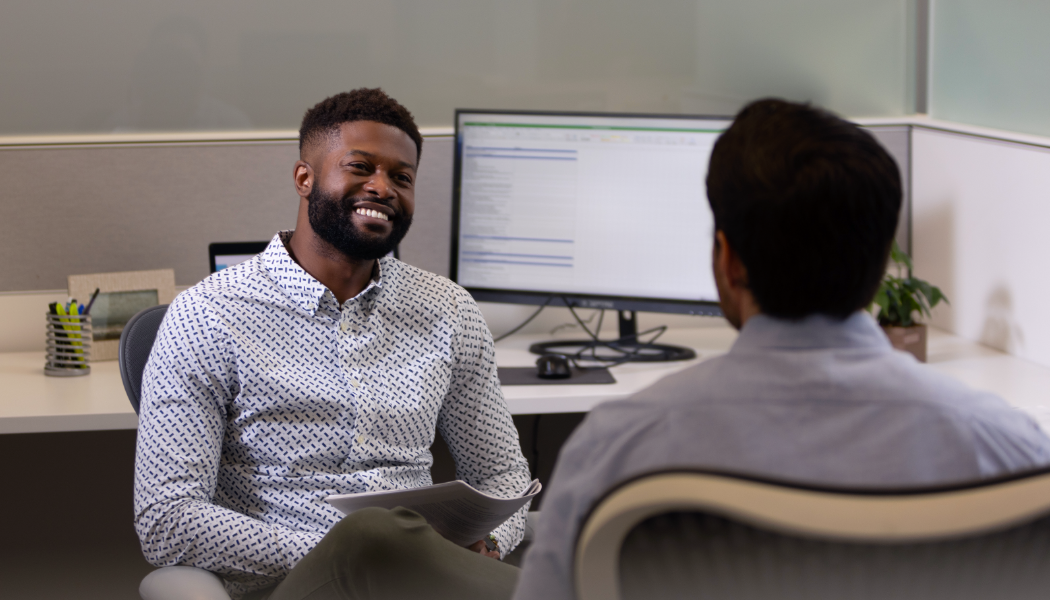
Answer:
[(375, 214)]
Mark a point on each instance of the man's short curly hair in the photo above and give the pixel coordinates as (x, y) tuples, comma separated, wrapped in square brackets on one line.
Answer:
[(362, 104)]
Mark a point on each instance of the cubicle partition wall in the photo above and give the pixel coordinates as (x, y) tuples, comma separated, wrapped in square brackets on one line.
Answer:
[(127, 206), (979, 231), (86, 208), (980, 199), (83, 205)]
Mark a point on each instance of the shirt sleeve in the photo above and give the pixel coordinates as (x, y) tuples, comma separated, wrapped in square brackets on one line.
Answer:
[(188, 383), (476, 423)]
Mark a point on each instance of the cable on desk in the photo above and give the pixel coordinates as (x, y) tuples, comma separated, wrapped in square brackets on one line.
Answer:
[(526, 321), (627, 354)]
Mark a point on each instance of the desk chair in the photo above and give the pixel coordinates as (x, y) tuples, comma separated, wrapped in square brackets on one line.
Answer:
[(166, 583), (693, 534)]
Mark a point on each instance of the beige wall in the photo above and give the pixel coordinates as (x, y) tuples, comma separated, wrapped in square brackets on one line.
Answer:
[(123, 207)]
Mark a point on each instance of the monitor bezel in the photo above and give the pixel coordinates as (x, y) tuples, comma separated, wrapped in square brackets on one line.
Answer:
[(574, 299)]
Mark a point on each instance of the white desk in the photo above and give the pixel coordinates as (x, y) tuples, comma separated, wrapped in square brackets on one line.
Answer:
[(630, 378), (1023, 384), (31, 402)]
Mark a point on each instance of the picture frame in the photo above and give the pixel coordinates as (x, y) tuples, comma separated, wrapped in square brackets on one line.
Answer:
[(121, 295)]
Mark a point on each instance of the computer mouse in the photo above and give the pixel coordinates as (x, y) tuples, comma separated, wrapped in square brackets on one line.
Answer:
[(553, 366)]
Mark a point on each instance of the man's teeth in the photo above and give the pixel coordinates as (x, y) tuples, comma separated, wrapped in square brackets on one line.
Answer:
[(375, 214)]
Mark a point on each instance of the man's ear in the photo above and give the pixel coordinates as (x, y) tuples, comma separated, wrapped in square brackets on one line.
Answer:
[(729, 262), (303, 175)]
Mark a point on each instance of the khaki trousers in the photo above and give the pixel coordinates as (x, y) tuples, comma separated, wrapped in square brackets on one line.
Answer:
[(380, 554)]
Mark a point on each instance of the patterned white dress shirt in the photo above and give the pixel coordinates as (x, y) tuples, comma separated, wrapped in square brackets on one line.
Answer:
[(263, 396)]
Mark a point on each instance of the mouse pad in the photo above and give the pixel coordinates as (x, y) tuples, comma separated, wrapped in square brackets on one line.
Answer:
[(527, 376)]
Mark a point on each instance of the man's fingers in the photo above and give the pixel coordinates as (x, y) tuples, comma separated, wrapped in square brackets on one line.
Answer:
[(478, 546)]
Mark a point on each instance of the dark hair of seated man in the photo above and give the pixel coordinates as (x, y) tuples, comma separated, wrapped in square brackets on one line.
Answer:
[(809, 202), (362, 104)]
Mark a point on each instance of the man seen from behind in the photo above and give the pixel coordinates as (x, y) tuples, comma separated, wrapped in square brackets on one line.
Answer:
[(805, 207)]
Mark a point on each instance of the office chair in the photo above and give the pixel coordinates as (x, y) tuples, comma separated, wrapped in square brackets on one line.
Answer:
[(166, 583), (136, 341), (695, 534)]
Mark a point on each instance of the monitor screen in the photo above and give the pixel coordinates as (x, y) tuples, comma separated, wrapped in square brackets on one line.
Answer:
[(599, 210), (227, 254)]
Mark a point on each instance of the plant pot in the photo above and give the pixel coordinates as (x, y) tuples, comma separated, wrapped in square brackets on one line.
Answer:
[(910, 339)]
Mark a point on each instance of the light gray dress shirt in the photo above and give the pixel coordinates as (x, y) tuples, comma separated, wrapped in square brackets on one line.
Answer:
[(817, 401), (263, 396)]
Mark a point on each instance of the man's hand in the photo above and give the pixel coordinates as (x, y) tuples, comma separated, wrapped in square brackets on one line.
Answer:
[(480, 547)]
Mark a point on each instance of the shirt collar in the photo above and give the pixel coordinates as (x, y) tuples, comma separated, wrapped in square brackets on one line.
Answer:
[(301, 287), (859, 330)]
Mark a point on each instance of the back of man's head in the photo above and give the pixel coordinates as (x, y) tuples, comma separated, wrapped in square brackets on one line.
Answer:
[(362, 104), (810, 204)]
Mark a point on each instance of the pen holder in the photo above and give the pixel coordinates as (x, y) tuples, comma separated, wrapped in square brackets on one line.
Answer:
[(68, 345)]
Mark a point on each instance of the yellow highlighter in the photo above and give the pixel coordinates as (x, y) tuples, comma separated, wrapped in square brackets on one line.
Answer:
[(70, 327)]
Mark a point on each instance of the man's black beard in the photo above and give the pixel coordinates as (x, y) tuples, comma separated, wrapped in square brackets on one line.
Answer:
[(332, 221)]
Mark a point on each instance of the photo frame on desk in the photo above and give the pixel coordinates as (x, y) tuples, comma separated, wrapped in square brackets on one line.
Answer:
[(120, 296)]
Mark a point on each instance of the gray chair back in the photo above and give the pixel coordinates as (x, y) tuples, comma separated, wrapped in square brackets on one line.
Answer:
[(693, 535), (167, 583), (136, 341)]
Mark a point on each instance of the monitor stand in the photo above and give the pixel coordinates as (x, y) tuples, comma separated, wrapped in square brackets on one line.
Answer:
[(625, 349)]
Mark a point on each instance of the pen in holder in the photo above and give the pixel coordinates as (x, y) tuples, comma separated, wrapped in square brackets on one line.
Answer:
[(68, 345)]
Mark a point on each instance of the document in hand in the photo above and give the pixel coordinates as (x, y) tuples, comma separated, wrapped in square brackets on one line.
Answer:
[(455, 510)]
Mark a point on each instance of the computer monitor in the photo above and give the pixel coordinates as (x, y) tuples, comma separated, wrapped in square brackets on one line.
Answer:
[(226, 254), (589, 210)]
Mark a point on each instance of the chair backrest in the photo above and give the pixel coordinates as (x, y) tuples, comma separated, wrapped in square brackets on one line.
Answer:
[(688, 534), (136, 341)]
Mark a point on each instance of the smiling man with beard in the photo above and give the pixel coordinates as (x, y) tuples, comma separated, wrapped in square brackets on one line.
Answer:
[(325, 366)]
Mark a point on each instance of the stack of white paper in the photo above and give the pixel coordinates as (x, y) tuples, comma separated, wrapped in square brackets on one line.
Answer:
[(455, 510)]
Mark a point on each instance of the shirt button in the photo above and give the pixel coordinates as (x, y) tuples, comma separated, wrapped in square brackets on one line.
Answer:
[(355, 383), (344, 326), (361, 439)]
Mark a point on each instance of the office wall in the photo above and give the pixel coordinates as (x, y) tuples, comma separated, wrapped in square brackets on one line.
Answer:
[(133, 65), (988, 64), (123, 207), (897, 141), (980, 210), (112, 207)]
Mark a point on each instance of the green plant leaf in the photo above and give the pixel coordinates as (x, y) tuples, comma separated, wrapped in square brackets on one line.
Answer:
[(937, 296), (899, 257), (902, 297), (880, 301)]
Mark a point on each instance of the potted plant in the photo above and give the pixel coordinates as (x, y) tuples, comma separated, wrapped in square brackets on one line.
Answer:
[(901, 300)]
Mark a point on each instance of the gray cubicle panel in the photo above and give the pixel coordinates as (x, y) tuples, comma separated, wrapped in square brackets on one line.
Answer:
[(125, 207), (897, 141)]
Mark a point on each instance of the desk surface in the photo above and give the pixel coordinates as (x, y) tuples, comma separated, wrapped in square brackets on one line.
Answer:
[(31, 402)]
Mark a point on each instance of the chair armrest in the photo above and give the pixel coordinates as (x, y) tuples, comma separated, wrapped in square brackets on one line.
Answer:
[(182, 583)]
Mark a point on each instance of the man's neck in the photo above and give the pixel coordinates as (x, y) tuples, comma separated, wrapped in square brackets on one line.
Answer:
[(748, 310), (345, 277)]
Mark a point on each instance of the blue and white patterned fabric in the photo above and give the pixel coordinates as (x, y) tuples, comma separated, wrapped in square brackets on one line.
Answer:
[(263, 396)]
